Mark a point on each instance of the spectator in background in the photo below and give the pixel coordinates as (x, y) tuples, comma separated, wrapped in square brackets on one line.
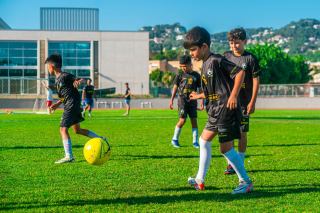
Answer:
[(127, 98)]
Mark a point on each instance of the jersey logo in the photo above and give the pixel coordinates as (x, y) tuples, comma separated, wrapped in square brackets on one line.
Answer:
[(210, 71), (244, 66), (243, 85), (213, 97), (190, 80), (182, 112), (204, 79)]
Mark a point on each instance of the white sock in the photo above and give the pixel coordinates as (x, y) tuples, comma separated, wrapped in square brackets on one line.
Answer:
[(67, 147), (195, 134), (242, 154), (205, 158), (92, 135), (177, 132), (236, 164), (89, 112)]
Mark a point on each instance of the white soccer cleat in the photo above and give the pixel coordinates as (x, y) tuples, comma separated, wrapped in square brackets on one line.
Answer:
[(67, 159), (89, 115), (196, 183), (244, 187)]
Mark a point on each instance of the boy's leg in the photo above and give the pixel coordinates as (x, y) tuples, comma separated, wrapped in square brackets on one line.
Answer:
[(195, 132), (66, 145), (89, 109), (177, 132), (242, 146)]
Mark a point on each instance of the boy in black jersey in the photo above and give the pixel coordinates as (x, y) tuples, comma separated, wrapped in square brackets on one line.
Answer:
[(221, 83), (249, 90), (187, 82), (66, 85), (88, 91)]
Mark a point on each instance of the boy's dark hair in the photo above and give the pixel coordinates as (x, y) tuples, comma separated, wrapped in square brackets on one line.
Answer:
[(90, 79), (197, 36), (185, 59), (237, 33), (127, 84), (54, 59)]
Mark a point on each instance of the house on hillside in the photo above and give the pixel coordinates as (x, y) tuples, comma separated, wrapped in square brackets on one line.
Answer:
[(178, 29), (158, 40), (286, 50), (179, 37), (293, 26), (312, 39), (316, 26)]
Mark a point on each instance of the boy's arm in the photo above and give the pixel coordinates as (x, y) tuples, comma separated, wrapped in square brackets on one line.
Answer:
[(127, 94), (202, 100), (56, 105), (194, 96), (252, 105), (83, 91), (76, 83), (174, 92), (232, 102)]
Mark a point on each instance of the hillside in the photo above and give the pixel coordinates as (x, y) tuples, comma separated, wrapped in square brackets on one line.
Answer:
[(302, 37)]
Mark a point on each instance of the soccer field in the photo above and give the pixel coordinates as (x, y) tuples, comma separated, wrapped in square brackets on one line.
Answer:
[(147, 174)]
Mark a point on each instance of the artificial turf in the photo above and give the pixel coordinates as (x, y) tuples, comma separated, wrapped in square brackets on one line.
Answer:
[(147, 174)]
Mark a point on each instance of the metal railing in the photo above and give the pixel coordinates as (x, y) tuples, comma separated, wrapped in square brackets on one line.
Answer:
[(289, 90)]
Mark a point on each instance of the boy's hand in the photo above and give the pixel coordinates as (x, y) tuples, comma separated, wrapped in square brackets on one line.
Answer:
[(251, 108), (55, 106), (194, 96), (201, 106), (77, 83), (232, 103), (170, 105)]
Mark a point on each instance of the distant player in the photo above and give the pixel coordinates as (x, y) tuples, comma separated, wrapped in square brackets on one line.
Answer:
[(88, 91), (127, 98), (49, 98), (221, 83), (249, 90), (66, 85), (187, 82)]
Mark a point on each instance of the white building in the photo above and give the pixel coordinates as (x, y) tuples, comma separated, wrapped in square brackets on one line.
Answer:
[(179, 37)]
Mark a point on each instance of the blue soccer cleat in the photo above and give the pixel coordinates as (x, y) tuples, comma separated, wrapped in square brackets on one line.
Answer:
[(196, 145), (175, 143)]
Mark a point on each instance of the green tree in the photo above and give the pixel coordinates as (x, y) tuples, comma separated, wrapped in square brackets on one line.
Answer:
[(278, 67), (168, 78), (171, 55), (159, 57), (156, 75)]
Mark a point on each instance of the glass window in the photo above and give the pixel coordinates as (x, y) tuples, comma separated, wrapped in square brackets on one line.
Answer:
[(73, 72), (55, 45), (83, 45), (3, 61), (84, 73), (15, 44), (31, 72), (3, 52), (83, 62), (4, 72), (30, 45), (30, 53), (69, 46), (30, 61), (15, 86), (15, 53), (4, 45), (69, 62), (15, 72), (4, 86), (69, 53), (83, 53), (15, 61), (57, 51)]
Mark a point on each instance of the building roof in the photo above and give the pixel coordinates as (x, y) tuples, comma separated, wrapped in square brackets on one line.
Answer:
[(3, 25)]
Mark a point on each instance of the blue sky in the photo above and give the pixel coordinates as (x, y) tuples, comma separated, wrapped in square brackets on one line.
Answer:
[(131, 15)]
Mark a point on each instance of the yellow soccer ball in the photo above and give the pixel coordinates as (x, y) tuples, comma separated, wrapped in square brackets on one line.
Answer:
[(97, 151)]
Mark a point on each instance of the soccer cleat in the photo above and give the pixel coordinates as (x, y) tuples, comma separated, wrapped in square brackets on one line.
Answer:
[(244, 187), (105, 139), (83, 113), (196, 145), (196, 183), (229, 170), (125, 114), (175, 143), (89, 115), (67, 159)]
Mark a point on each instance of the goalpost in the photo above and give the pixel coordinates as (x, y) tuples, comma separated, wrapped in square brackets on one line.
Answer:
[(23, 95)]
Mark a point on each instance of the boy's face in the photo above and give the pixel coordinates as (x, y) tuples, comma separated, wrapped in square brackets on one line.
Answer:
[(198, 53), (126, 86), (237, 45), (185, 67), (88, 82), (50, 68)]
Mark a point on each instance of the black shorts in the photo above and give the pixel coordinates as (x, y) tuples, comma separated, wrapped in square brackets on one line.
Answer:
[(71, 117), (244, 127), (225, 134), (184, 111)]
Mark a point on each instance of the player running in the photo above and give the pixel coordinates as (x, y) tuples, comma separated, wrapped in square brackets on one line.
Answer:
[(221, 83), (249, 90), (66, 85), (49, 98), (88, 91), (187, 82)]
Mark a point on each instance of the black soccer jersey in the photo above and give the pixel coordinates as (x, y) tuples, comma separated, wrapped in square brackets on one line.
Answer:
[(187, 83), (250, 65), (88, 91), (218, 75), (67, 93), (127, 92)]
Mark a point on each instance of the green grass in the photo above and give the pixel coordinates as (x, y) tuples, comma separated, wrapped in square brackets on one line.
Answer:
[(146, 174)]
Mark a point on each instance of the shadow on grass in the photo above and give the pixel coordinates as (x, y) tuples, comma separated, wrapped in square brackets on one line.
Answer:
[(40, 147), (284, 170), (139, 157), (287, 118), (298, 144), (163, 199)]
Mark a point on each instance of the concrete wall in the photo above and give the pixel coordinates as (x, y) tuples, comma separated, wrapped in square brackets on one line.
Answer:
[(123, 56), (266, 103)]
